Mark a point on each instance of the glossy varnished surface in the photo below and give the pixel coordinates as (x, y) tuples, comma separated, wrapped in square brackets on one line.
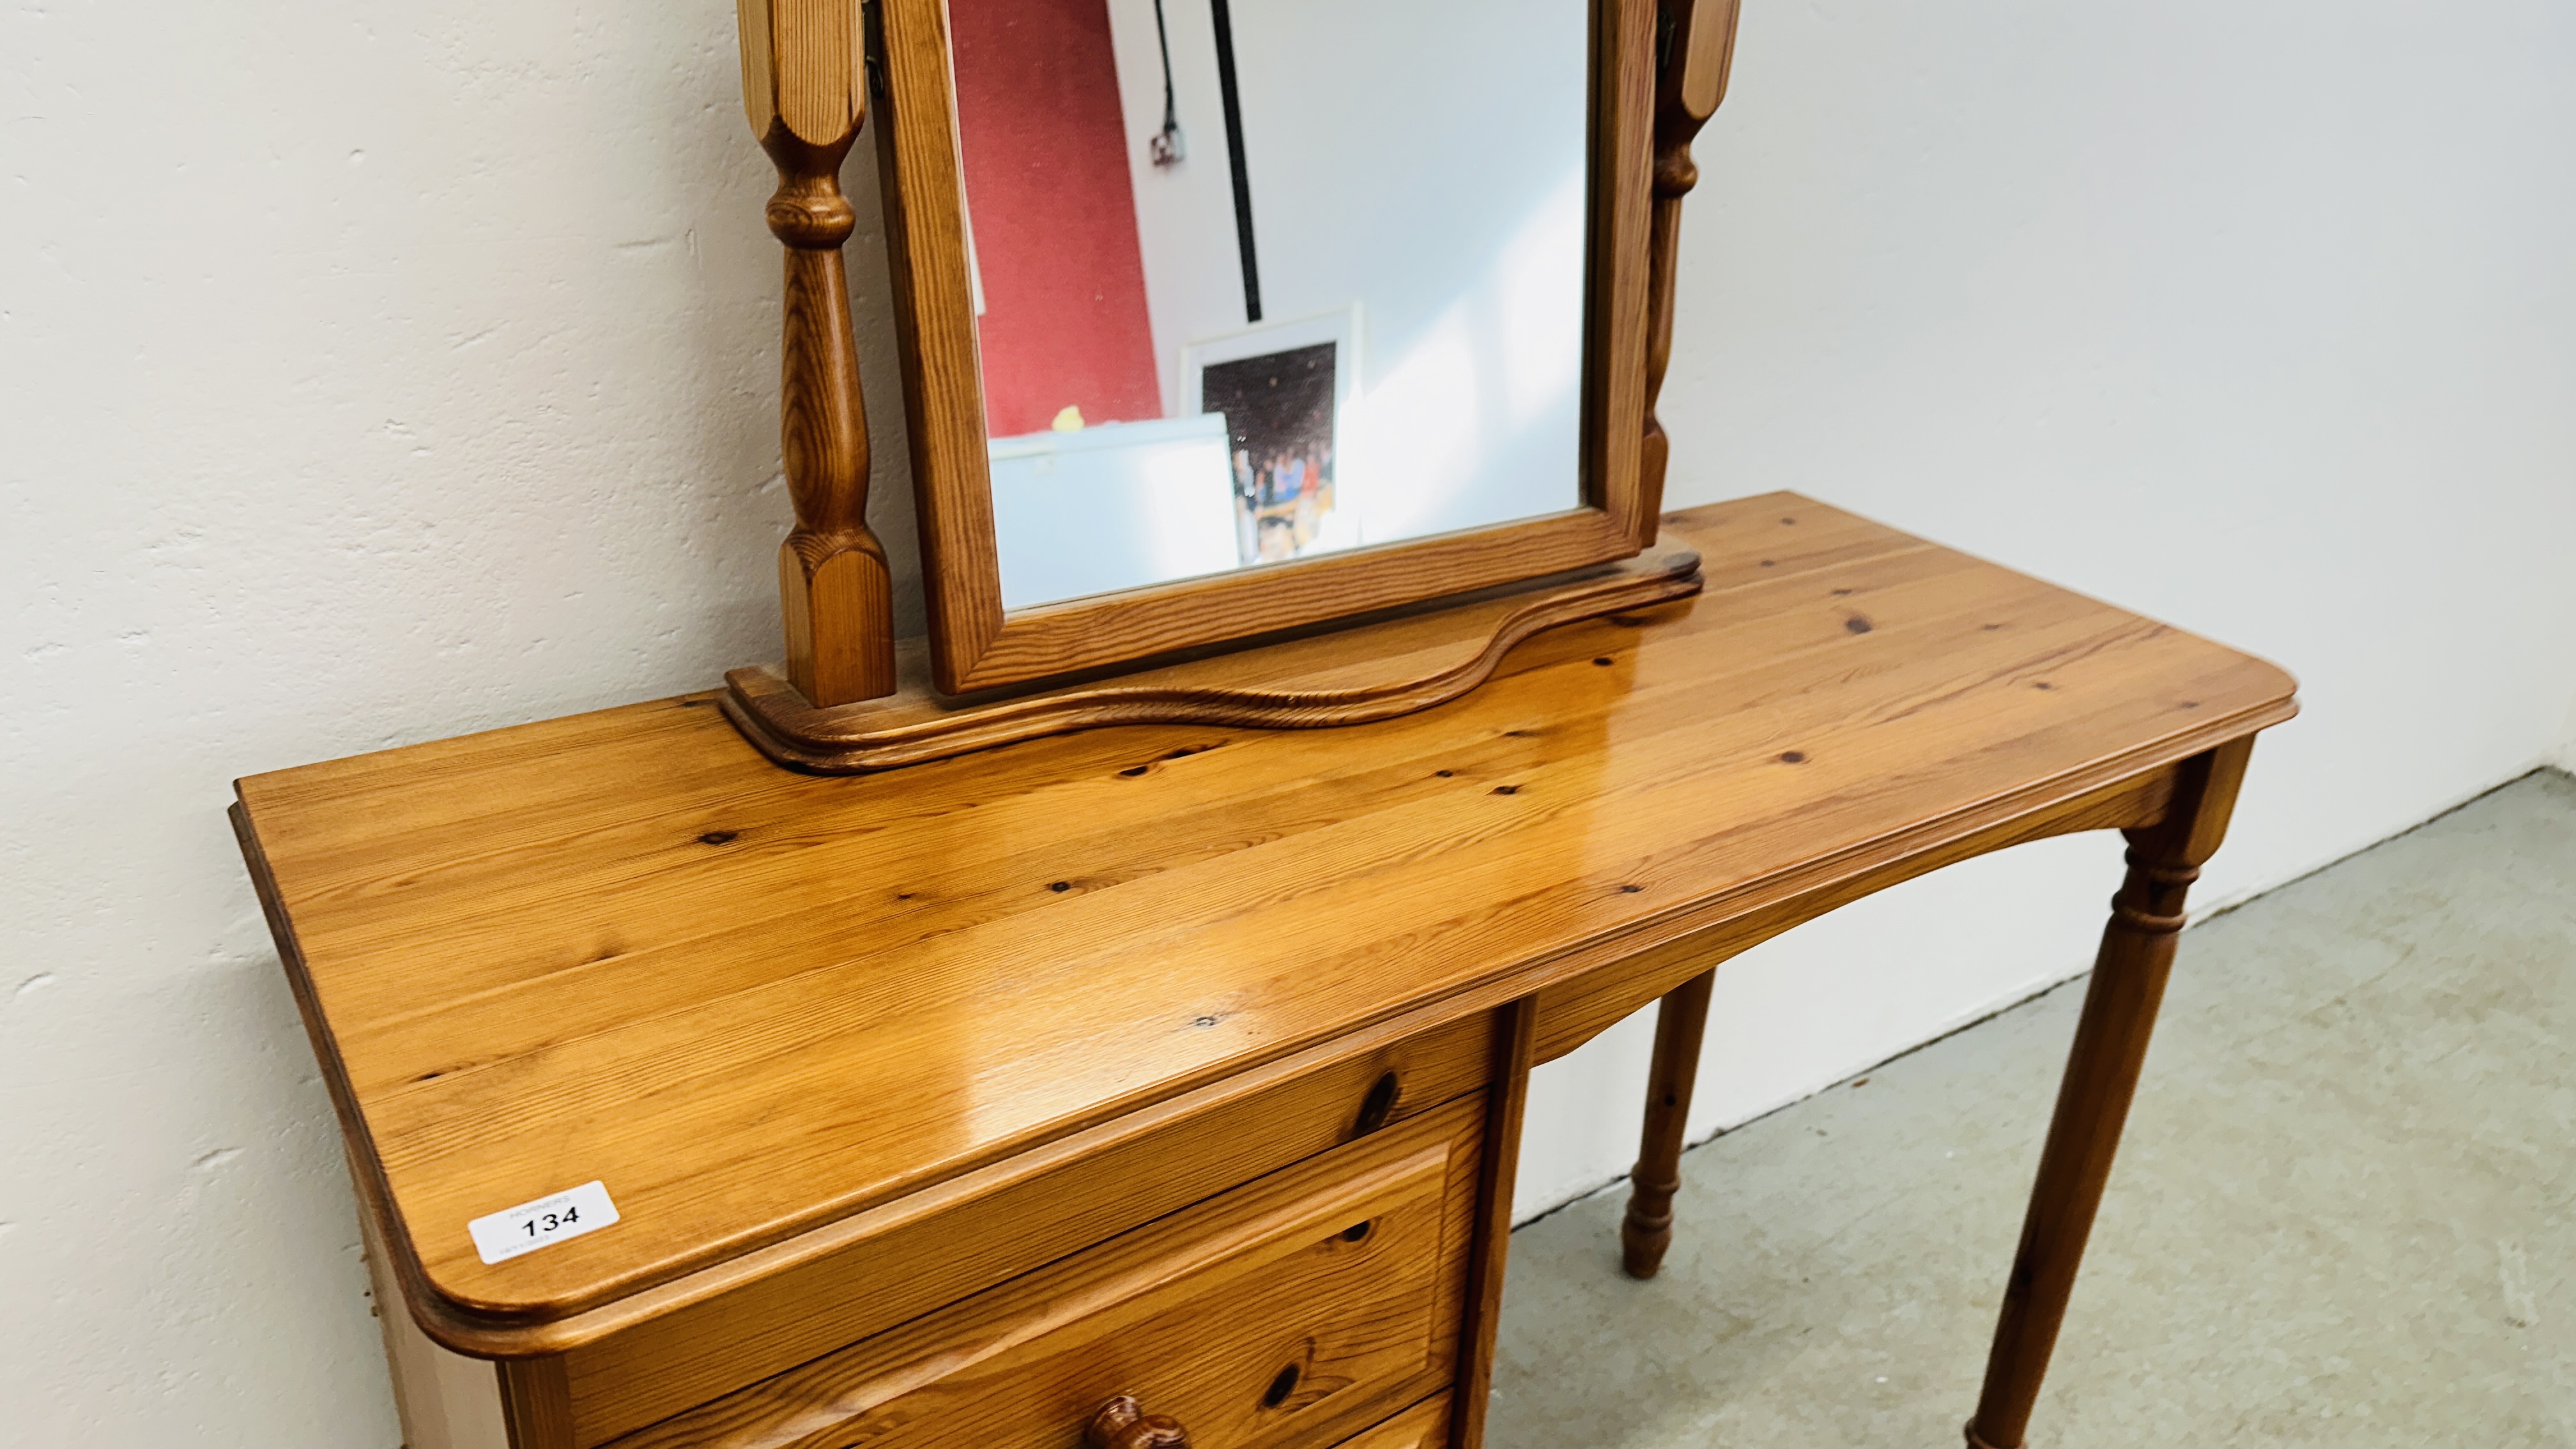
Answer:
[(623, 946), (1341, 677)]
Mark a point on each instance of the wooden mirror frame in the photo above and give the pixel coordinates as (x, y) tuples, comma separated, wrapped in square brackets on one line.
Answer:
[(976, 645), (1659, 69)]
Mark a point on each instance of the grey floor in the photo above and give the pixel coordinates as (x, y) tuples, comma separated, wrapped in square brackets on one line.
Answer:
[(2344, 1213)]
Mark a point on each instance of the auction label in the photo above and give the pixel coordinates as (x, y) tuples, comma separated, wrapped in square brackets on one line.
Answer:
[(542, 1224)]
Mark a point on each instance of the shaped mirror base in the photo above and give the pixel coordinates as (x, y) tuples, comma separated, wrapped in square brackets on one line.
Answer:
[(1349, 676)]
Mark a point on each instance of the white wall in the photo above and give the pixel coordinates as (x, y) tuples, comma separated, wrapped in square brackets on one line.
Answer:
[(368, 376), (1374, 184), (2257, 318), (1184, 212)]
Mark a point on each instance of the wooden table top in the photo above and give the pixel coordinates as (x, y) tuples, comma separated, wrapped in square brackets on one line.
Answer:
[(624, 947)]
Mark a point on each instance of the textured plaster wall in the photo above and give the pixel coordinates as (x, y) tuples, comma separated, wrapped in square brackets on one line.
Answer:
[(369, 375)]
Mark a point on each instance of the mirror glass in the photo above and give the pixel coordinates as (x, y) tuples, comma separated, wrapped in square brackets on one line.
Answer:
[(1255, 280)]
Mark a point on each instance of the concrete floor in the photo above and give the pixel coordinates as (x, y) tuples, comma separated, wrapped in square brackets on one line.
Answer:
[(2344, 1213)]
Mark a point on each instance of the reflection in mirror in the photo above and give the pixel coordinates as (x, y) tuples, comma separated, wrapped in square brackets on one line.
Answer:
[(1256, 280)]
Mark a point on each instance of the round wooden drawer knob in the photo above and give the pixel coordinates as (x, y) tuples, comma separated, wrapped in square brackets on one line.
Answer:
[(1120, 1424)]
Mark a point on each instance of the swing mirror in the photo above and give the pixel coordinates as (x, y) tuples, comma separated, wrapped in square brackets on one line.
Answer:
[(1227, 317), (1261, 280)]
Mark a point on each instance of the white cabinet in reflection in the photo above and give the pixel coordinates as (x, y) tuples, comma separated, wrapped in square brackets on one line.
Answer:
[(1094, 510)]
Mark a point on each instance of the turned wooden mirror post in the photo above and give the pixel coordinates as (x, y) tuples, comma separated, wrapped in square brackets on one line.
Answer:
[(1695, 50), (804, 88)]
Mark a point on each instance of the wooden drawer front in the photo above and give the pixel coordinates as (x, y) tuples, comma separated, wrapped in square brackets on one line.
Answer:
[(1424, 1426), (1294, 1311), (948, 1243)]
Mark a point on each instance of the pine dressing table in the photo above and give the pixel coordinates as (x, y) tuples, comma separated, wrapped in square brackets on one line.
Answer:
[(1161, 1085)]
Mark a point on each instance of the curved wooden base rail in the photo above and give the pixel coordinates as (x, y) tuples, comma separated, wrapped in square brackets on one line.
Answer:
[(1350, 677)]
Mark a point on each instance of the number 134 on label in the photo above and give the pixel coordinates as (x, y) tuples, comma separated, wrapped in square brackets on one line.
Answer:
[(510, 1232)]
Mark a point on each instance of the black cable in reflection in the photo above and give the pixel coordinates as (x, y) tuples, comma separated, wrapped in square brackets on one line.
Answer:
[(1168, 146), (1234, 156)]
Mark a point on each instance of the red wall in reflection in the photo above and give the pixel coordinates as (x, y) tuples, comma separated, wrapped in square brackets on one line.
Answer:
[(1054, 215)]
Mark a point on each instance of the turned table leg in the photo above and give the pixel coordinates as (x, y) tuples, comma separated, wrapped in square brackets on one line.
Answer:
[(1680, 1022), (2101, 1077)]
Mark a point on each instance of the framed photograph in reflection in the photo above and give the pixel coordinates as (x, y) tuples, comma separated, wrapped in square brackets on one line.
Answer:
[(1288, 392)]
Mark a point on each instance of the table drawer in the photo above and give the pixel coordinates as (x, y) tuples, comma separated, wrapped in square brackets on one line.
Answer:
[(1295, 1311), (920, 1254)]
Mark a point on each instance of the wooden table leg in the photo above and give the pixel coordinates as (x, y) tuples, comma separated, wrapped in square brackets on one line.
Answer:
[(1506, 1099), (1680, 1022), (2101, 1077)]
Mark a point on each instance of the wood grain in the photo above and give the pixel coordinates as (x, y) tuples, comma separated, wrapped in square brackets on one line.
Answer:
[(758, 1004), (976, 645), (1297, 1309), (1424, 1426), (1347, 677), (444, 1401), (537, 1403), (804, 90), (1515, 1037), (1646, 1229), (698, 1340), (1698, 56), (2102, 1069), (1581, 1008)]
